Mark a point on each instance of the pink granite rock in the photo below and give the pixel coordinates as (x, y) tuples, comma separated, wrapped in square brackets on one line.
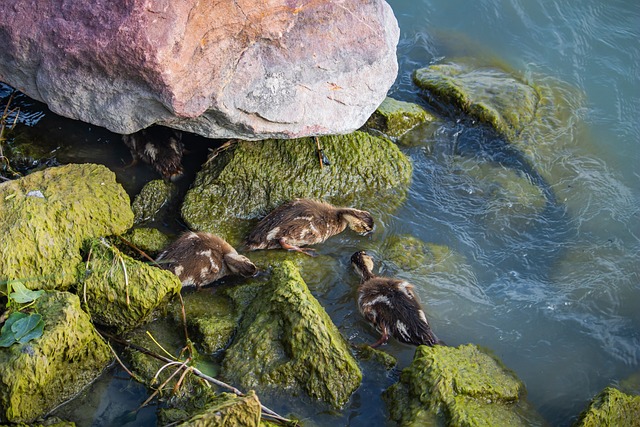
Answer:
[(228, 68)]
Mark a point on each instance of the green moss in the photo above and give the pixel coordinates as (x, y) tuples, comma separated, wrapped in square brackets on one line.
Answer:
[(153, 196), (38, 376), (366, 352), (611, 408), (489, 95), (287, 340), (48, 214), (149, 240), (251, 178), (211, 319), (229, 410), (121, 292), (465, 385), (395, 118)]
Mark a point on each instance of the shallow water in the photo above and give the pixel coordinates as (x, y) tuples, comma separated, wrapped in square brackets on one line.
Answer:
[(553, 292)]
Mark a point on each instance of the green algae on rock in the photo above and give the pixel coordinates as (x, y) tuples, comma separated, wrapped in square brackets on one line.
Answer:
[(229, 410), (151, 199), (286, 340), (464, 385), (48, 214), (489, 95), (611, 408), (149, 240), (121, 292), (249, 179), (395, 118), (38, 376)]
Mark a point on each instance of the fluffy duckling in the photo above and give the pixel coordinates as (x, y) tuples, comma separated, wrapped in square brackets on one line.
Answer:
[(160, 147), (391, 306), (201, 258), (305, 222)]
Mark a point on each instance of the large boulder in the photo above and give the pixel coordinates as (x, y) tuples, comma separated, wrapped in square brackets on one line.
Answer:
[(465, 385), (250, 178), (47, 215), (287, 340), (221, 69), (39, 375)]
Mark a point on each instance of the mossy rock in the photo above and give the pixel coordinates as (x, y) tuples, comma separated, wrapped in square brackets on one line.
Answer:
[(409, 253), (287, 341), (25, 154), (48, 214), (121, 292), (611, 408), (229, 410), (489, 95), (151, 199), (38, 376), (211, 319), (149, 240), (395, 118), (366, 352), (465, 385), (249, 179)]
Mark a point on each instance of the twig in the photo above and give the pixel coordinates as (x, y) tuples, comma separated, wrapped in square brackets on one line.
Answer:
[(161, 347), (140, 251), (131, 374), (155, 393), (197, 373)]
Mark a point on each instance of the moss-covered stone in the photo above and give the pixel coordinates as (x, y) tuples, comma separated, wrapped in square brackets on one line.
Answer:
[(121, 292), (38, 376), (25, 153), (211, 319), (464, 385), (611, 408), (366, 352), (395, 118), (149, 240), (286, 340), (229, 410), (151, 199), (489, 95), (251, 178), (47, 215)]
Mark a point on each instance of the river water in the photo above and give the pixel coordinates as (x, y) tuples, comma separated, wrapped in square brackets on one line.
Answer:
[(558, 300)]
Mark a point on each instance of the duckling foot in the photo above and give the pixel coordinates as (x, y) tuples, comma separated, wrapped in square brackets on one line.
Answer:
[(383, 340), (306, 251)]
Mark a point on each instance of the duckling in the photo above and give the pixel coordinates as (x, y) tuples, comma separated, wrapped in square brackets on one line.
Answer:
[(305, 222), (160, 147), (391, 306), (202, 258)]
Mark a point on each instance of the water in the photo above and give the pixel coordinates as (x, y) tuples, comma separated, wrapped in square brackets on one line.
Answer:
[(555, 294)]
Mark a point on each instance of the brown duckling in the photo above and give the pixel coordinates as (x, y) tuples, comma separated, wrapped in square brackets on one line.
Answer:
[(305, 222), (160, 147), (201, 258), (391, 306)]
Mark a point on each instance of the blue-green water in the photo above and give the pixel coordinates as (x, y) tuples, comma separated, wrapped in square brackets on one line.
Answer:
[(555, 295)]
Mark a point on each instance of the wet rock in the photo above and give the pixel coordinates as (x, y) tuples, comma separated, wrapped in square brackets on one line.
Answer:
[(287, 341), (465, 385), (48, 214), (251, 178), (38, 376), (229, 410), (366, 352), (408, 253), (230, 69), (611, 408), (395, 118), (489, 95), (151, 199), (149, 240), (121, 292)]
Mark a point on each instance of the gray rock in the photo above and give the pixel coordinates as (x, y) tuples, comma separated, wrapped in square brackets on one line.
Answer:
[(242, 69)]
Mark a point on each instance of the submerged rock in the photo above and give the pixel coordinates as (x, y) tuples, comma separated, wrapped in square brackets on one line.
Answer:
[(151, 199), (287, 341), (48, 214), (229, 410), (230, 69), (38, 376), (251, 178), (395, 118), (121, 292), (463, 385), (149, 240), (611, 408)]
